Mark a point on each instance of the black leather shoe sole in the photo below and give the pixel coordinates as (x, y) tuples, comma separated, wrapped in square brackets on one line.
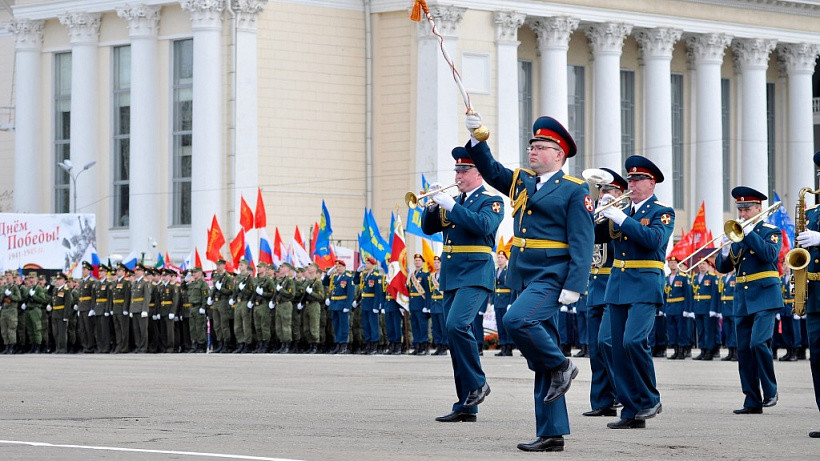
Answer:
[(602, 412), (748, 411), (627, 424), (457, 417), (649, 412), (543, 444)]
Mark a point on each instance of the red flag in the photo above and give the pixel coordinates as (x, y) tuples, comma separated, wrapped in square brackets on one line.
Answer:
[(261, 218), (684, 246), (245, 215), (238, 247), (277, 247), (197, 260), (168, 258), (397, 270), (216, 240), (785, 247), (297, 237), (324, 262), (700, 234)]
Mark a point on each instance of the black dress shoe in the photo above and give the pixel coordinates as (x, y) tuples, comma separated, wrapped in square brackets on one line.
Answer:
[(605, 411), (457, 417), (771, 401), (748, 411), (647, 413), (543, 444), (627, 424), (814, 434), (477, 396), (561, 380)]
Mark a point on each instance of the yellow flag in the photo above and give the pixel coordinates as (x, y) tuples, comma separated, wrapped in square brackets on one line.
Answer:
[(427, 252)]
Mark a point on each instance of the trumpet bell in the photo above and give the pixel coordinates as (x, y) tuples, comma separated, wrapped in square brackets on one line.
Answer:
[(411, 200), (733, 230)]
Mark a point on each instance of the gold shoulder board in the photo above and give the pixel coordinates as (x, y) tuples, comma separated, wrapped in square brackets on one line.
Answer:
[(488, 193), (662, 204), (765, 224), (573, 179)]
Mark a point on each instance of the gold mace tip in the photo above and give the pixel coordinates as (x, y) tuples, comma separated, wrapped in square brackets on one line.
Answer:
[(481, 133)]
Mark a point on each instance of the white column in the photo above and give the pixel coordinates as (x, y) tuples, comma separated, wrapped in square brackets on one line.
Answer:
[(507, 24), (553, 42), (438, 101), (708, 52), (800, 60), (207, 177), (606, 41), (656, 50), (246, 160), (28, 184), (83, 32), (753, 59), (143, 201)]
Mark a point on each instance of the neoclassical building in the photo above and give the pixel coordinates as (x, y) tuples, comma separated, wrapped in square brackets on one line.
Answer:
[(187, 106)]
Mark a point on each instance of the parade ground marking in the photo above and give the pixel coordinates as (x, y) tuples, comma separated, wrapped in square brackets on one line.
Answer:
[(143, 450)]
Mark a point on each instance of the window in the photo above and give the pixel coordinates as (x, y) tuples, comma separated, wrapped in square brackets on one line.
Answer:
[(62, 131), (627, 114), (677, 141), (770, 140), (525, 107), (181, 132), (122, 128), (576, 99), (725, 112)]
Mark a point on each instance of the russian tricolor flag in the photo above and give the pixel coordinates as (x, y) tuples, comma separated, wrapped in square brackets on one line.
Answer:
[(265, 249)]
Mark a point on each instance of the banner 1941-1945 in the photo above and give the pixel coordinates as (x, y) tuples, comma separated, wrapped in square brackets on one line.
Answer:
[(45, 241)]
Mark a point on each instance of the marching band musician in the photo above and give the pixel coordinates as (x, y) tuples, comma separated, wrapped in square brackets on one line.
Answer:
[(704, 293), (602, 395), (549, 263), (678, 301), (789, 323), (757, 300), (419, 288), (635, 290)]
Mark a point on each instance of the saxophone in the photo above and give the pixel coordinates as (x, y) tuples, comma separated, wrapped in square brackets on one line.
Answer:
[(798, 258)]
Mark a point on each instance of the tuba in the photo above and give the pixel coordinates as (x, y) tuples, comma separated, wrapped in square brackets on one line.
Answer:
[(598, 255), (798, 258)]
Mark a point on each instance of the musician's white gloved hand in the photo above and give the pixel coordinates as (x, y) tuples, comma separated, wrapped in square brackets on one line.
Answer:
[(434, 186), (472, 122), (725, 246), (444, 200), (614, 214), (747, 229), (605, 199), (809, 238), (568, 297)]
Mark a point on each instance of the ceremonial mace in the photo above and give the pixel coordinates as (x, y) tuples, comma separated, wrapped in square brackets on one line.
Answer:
[(482, 132)]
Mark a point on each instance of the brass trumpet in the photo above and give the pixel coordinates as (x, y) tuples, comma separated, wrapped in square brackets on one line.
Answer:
[(412, 200), (622, 202)]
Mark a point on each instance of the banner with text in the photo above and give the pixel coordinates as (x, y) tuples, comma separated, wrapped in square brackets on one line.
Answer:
[(45, 241)]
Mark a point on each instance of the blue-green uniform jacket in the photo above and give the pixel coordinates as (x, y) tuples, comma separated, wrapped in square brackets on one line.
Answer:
[(727, 295), (561, 211), (342, 291), (756, 256), (704, 293), (813, 300), (678, 297), (372, 294), (419, 299), (436, 297), (473, 223), (503, 295)]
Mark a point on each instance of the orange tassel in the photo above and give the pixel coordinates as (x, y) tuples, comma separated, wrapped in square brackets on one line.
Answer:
[(415, 14)]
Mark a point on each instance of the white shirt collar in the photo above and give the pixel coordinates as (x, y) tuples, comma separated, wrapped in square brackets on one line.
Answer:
[(468, 194), (546, 177), (637, 206)]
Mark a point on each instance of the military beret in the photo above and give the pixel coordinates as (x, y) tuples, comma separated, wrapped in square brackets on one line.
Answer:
[(371, 260), (462, 158), (502, 251), (417, 255), (436, 258), (549, 129), (339, 261), (746, 196), (673, 258), (642, 166), (617, 180)]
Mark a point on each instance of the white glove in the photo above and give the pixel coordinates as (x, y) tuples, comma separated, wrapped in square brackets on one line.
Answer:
[(574, 310), (712, 314), (720, 316), (382, 311), (345, 310), (65, 320), (564, 309), (202, 310), (210, 301), (568, 297), (218, 285), (91, 313), (691, 315), (444, 200), (425, 310), (434, 187), (355, 304), (327, 302), (171, 316), (250, 305), (492, 306), (23, 306), (308, 290), (259, 290), (299, 307), (481, 313), (8, 292), (155, 317), (375, 311), (777, 316), (31, 292), (130, 315), (241, 285), (144, 315), (106, 314), (231, 301), (796, 317), (177, 319), (605, 199), (809, 238), (48, 307), (125, 313), (747, 229), (509, 306), (76, 308), (724, 252), (614, 214), (472, 122), (278, 287)]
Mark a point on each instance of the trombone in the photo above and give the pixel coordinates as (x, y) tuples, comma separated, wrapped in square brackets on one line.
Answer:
[(626, 198), (733, 230), (412, 200)]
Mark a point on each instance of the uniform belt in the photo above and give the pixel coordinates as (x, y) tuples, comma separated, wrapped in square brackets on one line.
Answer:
[(338, 298), (438, 297), (813, 276), (59, 308), (85, 298), (727, 298), (601, 271), (466, 249), (368, 295), (637, 264), (702, 297), (413, 295), (186, 304), (675, 300), (102, 300), (502, 290), (757, 276), (137, 299), (119, 301), (538, 243), (788, 301), (165, 303)]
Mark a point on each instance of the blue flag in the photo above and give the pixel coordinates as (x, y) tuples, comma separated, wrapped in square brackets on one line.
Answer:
[(782, 220), (378, 246), (365, 245), (414, 226), (325, 231)]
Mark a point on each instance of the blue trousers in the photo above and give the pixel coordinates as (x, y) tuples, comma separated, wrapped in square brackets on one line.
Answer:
[(461, 308), (790, 328), (582, 323), (813, 336), (658, 337), (716, 342), (392, 323), (418, 324), (532, 323), (679, 330), (503, 337), (341, 325), (631, 358), (729, 331), (754, 357), (602, 389), (439, 329), (566, 328), (706, 336), (478, 331), (370, 325)]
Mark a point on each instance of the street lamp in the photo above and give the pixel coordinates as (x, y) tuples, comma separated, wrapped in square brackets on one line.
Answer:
[(68, 167)]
